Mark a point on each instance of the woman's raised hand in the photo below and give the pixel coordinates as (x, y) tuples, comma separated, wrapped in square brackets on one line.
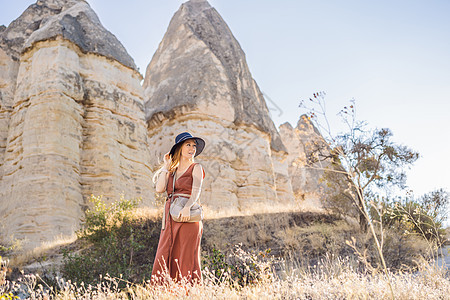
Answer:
[(167, 160)]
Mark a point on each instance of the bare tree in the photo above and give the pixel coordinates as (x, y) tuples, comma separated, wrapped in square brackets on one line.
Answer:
[(362, 161)]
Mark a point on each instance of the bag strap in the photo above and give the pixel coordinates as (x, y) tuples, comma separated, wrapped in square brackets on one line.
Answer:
[(173, 181), (171, 199)]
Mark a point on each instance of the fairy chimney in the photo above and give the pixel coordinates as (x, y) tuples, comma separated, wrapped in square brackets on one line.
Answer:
[(72, 121), (307, 174), (198, 81)]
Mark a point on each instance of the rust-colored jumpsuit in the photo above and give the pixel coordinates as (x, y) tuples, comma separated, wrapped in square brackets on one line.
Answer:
[(179, 243)]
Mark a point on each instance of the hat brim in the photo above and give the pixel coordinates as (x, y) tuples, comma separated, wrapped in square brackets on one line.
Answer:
[(199, 141)]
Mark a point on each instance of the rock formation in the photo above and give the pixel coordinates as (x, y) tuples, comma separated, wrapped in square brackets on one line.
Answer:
[(306, 176), (72, 121), (198, 81)]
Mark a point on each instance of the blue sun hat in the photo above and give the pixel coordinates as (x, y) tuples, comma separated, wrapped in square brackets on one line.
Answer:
[(186, 136)]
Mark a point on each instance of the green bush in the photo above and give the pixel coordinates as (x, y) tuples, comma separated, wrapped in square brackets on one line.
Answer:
[(215, 262), (101, 220), (113, 242), (414, 219)]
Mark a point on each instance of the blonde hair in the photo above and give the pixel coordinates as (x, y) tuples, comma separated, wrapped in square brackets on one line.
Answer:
[(175, 161)]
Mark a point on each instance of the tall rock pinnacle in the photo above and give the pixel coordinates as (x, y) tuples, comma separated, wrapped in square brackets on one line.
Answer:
[(72, 121), (200, 63), (198, 80), (73, 20), (306, 177)]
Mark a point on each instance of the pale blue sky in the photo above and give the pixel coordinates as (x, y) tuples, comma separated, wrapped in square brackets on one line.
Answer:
[(393, 57)]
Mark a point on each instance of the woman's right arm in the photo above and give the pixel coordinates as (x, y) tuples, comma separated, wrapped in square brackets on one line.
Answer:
[(163, 176), (162, 181)]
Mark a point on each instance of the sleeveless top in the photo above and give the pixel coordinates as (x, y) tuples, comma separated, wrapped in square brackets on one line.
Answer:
[(183, 184)]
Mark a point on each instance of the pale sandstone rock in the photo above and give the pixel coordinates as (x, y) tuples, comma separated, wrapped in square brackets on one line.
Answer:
[(306, 178), (199, 81), (12, 39), (77, 124), (79, 24), (8, 73)]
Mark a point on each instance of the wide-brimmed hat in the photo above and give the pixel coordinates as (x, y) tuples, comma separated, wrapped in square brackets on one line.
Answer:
[(187, 136)]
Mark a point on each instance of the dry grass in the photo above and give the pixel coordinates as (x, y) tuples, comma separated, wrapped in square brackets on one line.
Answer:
[(314, 263), (46, 249), (330, 279), (261, 209), (277, 231), (303, 236)]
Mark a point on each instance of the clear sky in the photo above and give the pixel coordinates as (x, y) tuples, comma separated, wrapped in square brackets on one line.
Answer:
[(392, 57)]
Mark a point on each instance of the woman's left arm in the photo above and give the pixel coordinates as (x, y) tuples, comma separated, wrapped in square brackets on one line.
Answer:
[(197, 180)]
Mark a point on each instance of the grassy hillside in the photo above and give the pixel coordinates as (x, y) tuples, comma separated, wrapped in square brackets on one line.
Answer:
[(295, 254)]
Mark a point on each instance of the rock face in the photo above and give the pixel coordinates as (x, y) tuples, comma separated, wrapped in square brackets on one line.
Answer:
[(72, 121), (306, 177), (198, 81)]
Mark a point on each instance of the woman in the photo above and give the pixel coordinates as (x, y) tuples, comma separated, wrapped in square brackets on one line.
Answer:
[(178, 253)]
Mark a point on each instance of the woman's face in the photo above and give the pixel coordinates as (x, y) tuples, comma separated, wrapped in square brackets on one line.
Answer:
[(189, 148)]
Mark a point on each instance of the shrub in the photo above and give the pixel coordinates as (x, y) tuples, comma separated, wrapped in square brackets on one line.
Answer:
[(424, 216), (239, 266), (113, 242)]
